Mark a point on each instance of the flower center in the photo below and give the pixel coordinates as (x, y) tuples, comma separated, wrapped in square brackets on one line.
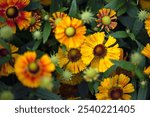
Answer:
[(3, 52), (116, 93), (70, 31), (106, 20), (99, 50), (74, 55), (33, 67), (57, 21), (33, 20), (12, 12)]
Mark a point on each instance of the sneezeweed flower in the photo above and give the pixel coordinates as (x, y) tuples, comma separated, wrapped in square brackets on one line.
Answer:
[(106, 19), (87, 16), (67, 75), (37, 35), (31, 70), (98, 52), (35, 22), (12, 11), (56, 18), (147, 71), (115, 88), (8, 67), (142, 15), (147, 25), (71, 60), (74, 79), (146, 51), (70, 32), (6, 32), (54, 59), (91, 74)]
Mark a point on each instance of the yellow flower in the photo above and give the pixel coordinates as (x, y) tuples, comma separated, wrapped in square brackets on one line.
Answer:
[(146, 51), (8, 67), (147, 71), (31, 70), (115, 88), (147, 25), (71, 60), (35, 22), (56, 19), (106, 19), (70, 32), (98, 52)]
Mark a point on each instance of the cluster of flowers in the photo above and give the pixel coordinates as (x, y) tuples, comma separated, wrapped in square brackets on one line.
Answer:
[(79, 57)]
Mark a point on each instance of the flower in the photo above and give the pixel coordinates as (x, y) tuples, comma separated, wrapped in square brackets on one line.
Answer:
[(146, 51), (115, 88), (30, 70), (67, 75), (71, 60), (147, 71), (56, 19), (8, 67), (87, 16), (98, 52), (12, 11), (35, 22), (91, 74), (70, 32), (147, 25), (106, 19)]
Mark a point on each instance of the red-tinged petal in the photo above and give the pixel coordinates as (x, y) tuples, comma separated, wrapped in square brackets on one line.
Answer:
[(22, 3), (3, 4), (11, 24), (12, 2), (2, 12)]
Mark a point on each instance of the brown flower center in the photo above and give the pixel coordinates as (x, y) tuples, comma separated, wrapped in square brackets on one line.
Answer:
[(33, 67), (116, 93), (99, 50), (74, 55), (3, 52), (12, 12), (33, 21), (70, 31)]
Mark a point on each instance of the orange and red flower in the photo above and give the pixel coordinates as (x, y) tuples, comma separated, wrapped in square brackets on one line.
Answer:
[(12, 11)]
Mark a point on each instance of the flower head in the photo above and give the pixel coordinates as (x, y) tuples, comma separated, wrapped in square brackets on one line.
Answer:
[(98, 52), (6, 32), (142, 15), (146, 51), (30, 70), (35, 22), (56, 19), (147, 25), (71, 60), (37, 35), (12, 11), (70, 32), (106, 19), (115, 88), (8, 67)]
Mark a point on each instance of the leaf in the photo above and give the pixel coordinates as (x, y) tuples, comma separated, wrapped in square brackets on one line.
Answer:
[(4, 60), (134, 94), (63, 9), (46, 31), (54, 6), (33, 6), (138, 25), (4, 44), (132, 11), (122, 10), (119, 34), (36, 45), (45, 94), (2, 19), (73, 9), (142, 93), (96, 84)]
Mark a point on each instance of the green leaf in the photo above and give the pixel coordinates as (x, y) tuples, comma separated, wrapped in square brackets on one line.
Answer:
[(142, 93), (91, 87), (73, 9), (96, 84), (140, 74), (33, 6), (46, 31), (2, 19), (36, 45), (45, 94), (54, 6), (119, 34), (4, 44), (132, 11), (122, 10), (134, 94), (63, 9), (138, 25)]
